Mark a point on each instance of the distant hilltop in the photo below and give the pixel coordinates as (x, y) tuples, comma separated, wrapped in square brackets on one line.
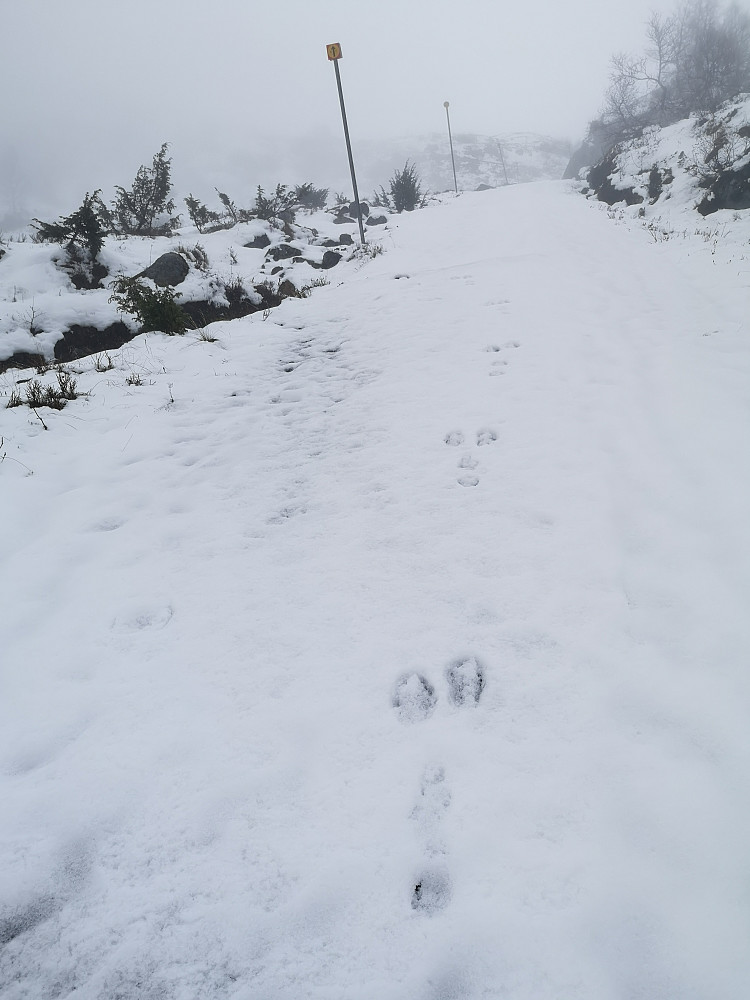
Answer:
[(510, 158)]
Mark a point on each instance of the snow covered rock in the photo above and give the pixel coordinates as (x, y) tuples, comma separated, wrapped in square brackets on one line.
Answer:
[(703, 161), (169, 269)]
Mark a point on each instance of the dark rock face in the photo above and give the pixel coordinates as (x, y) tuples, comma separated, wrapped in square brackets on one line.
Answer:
[(259, 243), (353, 209), (346, 240), (587, 155), (283, 251), (729, 190), (377, 220), (80, 341), (169, 269), (203, 313), (22, 359), (600, 182), (330, 259)]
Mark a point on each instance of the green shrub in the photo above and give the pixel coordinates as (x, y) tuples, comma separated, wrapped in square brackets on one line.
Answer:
[(155, 309), (276, 207), (82, 234), (309, 198), (405, 191), (201, 216), (233, 213), (136, 212)]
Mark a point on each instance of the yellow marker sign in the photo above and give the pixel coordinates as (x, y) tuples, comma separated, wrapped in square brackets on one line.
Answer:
[(334, 51)]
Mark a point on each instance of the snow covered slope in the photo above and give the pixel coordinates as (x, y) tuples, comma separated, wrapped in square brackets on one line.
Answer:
[(393, 647), (700, 164)]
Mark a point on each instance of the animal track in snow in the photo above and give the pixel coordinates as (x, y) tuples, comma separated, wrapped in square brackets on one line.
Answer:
[(143, 618), (467, 463), (434, 799), (465, 681), (432, 890), (414, 698)]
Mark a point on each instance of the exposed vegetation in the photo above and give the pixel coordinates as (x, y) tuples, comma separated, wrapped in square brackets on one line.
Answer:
[(405, 191), (82, 234), (146, 208), (155, 309)]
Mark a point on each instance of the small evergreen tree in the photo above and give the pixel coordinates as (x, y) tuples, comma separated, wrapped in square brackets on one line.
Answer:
[(310, 198), (201, 216), (138, 212), (82, 234), (234, 213), (155, 309), (405, 192), (278, 206)]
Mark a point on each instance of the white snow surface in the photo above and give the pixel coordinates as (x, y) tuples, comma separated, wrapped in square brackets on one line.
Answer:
[(394, 647)]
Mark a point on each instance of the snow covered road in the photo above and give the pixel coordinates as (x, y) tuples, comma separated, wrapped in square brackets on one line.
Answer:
[(394, 647)]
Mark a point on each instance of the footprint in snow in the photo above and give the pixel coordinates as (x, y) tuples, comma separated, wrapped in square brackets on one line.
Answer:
[(454, 438), (143, 618), (414, 698), (465, 681), (486, 436), (432, 890), (468, 481), (432, 802)]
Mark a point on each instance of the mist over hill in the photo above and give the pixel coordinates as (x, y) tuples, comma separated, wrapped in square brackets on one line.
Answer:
[(53, 187)]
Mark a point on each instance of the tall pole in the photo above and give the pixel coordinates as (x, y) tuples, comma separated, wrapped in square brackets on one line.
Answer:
[(502, 160), (450, 140), (334, 54)]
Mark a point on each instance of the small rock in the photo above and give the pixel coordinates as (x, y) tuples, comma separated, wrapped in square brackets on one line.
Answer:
[(377, 220), (283, 251), (259, 242), (330, 259)]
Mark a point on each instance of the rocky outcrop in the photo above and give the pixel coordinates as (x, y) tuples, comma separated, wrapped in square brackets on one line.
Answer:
[(79, 341)]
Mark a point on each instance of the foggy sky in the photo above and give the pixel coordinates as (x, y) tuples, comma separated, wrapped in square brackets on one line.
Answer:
[(91, 88)]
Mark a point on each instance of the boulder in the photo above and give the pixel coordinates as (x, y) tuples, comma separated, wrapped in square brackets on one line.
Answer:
[(377, 220), (259, 243), (283, 251), (330, 259), (352, 210), (169, 269), (346, 240), (80, 341)]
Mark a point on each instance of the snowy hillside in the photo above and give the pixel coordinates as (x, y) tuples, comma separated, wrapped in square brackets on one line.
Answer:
[(393, 645), (699, 165)]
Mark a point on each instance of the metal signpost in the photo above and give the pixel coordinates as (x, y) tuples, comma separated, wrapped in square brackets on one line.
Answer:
[(334, 54), (446, 104)]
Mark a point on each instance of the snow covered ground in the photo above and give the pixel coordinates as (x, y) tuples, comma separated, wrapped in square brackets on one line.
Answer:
[(394, 647)]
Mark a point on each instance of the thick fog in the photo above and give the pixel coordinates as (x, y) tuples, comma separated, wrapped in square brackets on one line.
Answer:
[(244, 93)]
